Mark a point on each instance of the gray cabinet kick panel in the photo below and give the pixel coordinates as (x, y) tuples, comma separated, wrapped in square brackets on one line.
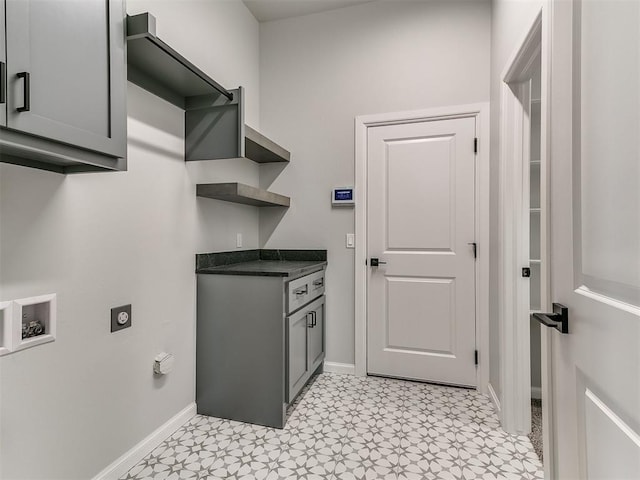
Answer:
[(240, 193)]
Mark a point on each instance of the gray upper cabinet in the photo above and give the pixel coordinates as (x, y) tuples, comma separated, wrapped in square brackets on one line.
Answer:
[(66, 83), (3, 70)]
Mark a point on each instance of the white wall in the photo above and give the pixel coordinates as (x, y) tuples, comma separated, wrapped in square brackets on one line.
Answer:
[(510, 22), (318, 73), (70, 408)]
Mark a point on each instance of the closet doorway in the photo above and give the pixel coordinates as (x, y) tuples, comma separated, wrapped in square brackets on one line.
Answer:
[(537, 284), (524, 257)]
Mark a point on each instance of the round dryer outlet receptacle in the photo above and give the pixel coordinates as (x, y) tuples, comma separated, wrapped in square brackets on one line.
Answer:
[(123, 317)]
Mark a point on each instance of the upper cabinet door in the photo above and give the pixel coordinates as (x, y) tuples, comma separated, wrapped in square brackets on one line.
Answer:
[(3, 66), (66, 75)]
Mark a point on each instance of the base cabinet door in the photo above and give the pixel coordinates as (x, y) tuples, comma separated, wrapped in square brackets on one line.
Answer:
[(305, 344), (315, 335), (297, 361), (66, 74)]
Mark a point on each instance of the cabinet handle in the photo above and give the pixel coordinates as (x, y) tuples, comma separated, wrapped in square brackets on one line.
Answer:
[(26, 105), (309, 324), (3, 82), (314, 318)]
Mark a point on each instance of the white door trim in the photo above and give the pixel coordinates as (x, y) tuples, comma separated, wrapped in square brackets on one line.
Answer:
[(480, 112), (514, 335)]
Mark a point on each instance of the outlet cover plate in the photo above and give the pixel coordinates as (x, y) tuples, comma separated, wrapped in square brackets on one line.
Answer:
[(122, 313)]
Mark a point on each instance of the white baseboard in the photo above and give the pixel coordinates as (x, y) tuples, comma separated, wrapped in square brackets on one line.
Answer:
[(536, 392), (131, 458), (342, 368), (494, 398)]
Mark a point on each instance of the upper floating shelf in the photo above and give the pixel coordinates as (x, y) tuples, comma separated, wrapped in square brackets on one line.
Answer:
[(214, 116), (215, 130), (260, 149), (158, 68)]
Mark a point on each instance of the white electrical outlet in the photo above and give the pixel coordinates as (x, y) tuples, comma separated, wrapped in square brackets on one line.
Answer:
[(239, 240)]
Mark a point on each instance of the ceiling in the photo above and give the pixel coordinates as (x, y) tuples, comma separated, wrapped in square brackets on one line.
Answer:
[(267, 10)]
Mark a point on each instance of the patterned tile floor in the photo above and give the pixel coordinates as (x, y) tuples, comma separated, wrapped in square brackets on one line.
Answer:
[(352, 428)]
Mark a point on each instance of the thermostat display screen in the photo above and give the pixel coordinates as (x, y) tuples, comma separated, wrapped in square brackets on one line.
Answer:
[(346, 194), (343, 196)]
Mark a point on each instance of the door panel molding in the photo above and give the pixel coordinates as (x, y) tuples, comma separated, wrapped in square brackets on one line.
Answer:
[(599, 157), (480, 112), (609, 438)]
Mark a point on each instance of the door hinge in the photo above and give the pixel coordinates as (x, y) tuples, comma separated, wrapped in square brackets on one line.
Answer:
[(475, 145), (476, 357), (475, 249)]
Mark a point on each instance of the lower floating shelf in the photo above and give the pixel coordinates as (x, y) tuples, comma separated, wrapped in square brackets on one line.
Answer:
[(240, 193)]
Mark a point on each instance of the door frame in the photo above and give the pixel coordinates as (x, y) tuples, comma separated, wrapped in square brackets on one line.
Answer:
[(480, 112), (515, 361)]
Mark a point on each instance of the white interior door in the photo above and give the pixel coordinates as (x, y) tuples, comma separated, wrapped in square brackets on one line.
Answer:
[(595, 239), (420, 221)]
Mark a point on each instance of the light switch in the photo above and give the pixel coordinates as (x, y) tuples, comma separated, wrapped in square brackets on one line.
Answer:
[(351, 240)]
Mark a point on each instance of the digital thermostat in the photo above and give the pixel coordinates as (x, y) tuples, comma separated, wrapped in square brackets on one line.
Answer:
[(343, 196)]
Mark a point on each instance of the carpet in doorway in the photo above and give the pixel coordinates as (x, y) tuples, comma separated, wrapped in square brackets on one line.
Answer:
[(536, 426)]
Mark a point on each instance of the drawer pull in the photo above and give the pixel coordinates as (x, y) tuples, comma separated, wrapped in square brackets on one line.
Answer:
[(3, 82), (314, 319), (26, 102), (319, 282), (302, 290)]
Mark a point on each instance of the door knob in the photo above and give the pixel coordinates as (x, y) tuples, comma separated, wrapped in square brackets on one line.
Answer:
[(374, 262), (559, 319)]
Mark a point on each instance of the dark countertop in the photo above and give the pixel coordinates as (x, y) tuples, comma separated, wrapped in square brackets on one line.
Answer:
[(267, 268), (266, 263)]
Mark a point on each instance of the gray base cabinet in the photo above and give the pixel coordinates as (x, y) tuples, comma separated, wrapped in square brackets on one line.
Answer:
[(253, 352), (65, 84)]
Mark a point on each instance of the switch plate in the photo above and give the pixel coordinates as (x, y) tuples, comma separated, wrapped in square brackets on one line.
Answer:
[(351, 240), (239, 240), (120, 317)]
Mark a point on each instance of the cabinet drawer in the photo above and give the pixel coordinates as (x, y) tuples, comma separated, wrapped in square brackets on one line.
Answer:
[(304, 289)]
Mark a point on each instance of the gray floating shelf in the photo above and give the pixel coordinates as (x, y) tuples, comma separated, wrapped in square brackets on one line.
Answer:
[(240, 193), (214, 116), (158, 68), (215, 130), (260, 149)]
